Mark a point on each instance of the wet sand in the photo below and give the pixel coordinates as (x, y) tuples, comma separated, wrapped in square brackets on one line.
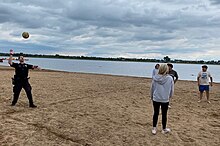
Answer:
[(79, 109)]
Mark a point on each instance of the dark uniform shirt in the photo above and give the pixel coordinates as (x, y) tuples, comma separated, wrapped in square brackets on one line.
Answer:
[(21, 70), (173, 74)]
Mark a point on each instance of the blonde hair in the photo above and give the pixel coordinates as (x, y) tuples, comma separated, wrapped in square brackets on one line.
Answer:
[(163, 69)]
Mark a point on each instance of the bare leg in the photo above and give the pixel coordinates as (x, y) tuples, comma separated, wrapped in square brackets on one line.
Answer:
[(207, 95), (200, 96)]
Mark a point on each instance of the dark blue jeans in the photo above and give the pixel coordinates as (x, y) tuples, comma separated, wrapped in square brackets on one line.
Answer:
[(164, 109), (18, 85)]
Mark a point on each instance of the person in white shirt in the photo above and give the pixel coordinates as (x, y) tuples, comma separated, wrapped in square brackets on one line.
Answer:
[(203, 82), (155, 70)]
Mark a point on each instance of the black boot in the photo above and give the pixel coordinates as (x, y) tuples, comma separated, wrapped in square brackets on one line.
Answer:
[(32, 106), (13, 104)]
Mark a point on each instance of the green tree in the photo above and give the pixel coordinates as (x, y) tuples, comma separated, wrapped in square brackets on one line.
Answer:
[(166, 59)]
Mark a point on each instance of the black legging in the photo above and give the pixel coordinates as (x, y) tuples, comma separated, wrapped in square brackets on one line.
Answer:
[(164, 109)]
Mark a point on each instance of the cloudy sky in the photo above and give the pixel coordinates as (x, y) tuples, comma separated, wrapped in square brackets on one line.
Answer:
[(180, 29)]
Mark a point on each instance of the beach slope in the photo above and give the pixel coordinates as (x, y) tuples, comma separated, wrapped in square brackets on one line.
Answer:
[(79, 109)]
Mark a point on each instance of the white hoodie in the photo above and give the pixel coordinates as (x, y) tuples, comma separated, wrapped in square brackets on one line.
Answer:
[(162, 88)]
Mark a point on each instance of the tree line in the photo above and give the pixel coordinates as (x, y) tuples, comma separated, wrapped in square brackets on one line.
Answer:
[(166, 59)]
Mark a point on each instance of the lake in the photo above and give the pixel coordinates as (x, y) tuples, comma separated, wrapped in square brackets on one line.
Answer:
[(137, 69)]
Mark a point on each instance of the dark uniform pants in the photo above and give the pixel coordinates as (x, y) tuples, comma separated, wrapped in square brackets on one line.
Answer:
[(18, 85)]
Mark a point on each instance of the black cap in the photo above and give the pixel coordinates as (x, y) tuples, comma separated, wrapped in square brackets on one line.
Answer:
[(204, 66), (20, 54)]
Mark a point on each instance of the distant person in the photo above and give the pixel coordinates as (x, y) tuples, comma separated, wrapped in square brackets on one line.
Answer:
[(162, 89), (155, 70), (172, 72), (203, 82), (20, 79)]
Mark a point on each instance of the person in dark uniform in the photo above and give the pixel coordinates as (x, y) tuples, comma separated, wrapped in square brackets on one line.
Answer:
[(173, 73), (20, 79)]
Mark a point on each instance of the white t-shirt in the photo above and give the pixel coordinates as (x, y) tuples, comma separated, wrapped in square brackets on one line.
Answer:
[(155, 72), (204, 77)]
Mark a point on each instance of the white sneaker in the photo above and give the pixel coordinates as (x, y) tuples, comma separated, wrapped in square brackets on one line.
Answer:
[(169, 106), (154, 130), (165, 131)]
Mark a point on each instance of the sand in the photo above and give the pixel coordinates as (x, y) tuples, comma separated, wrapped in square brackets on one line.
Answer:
[(76, 109)]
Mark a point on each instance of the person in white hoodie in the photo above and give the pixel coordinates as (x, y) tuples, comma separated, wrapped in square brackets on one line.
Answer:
[(162, 89), (155, 70)]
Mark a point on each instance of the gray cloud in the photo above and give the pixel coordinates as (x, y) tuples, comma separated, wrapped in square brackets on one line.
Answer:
[(132, 28), (215, 1)]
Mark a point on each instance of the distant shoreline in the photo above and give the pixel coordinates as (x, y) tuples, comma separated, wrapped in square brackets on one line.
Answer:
[(57, 56), (48, 70)]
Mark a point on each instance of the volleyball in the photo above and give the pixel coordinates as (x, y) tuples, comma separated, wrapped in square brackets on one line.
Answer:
[(25, 35)]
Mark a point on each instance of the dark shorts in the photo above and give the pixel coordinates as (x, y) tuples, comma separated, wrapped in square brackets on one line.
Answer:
[(203, 88)]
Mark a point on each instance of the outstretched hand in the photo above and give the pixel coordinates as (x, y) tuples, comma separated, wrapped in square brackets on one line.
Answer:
[(37, 67), (11, 52)]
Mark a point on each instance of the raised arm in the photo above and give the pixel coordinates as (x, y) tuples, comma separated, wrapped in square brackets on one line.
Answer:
[(10, 58)]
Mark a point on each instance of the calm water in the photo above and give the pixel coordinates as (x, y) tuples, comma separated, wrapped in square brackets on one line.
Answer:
[(138, 69)]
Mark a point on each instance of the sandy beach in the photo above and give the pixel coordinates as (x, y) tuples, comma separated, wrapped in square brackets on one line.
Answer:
[(76, 109)]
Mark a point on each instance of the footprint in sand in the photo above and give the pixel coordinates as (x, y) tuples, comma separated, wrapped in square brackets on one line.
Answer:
[(9, 140), (185, 138), (214, 124), (215, 115)]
